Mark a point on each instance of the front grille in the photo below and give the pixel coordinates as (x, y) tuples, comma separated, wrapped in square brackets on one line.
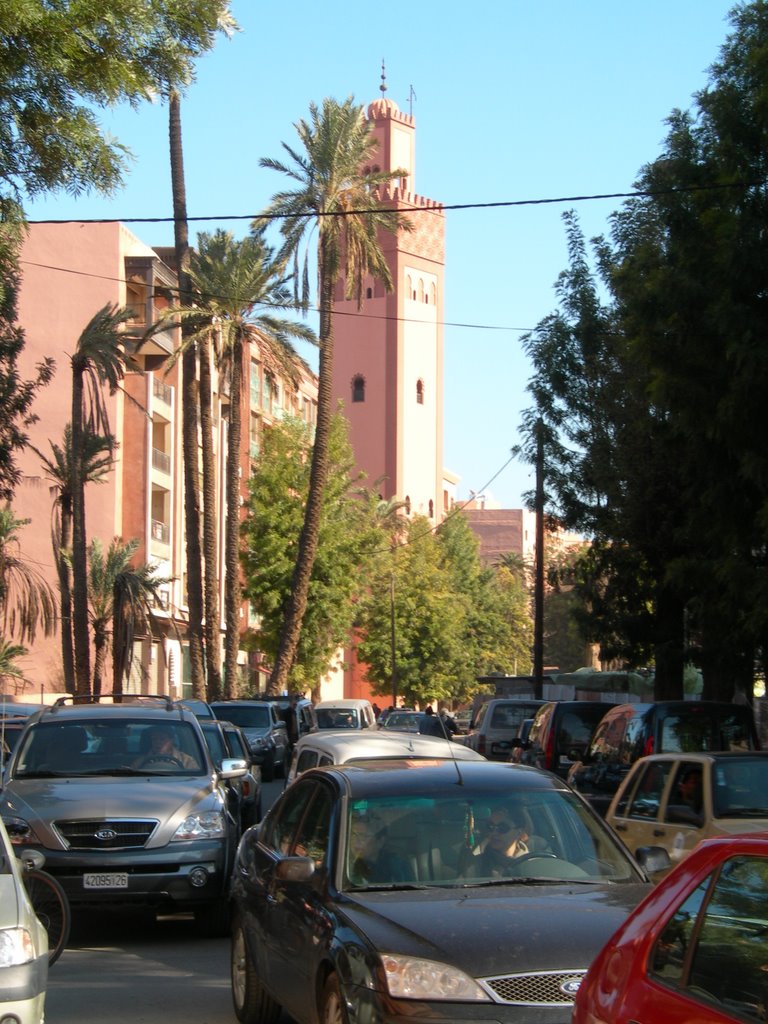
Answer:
[(106, 833), (545, 988)]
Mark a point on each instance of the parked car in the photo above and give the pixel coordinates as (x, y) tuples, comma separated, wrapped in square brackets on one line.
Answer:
[(345, 713), (402, 721), (326, 747), (202, 709), (520, 741), (226, 740), (560, 733), (23, 945), (126, 805), (298, 713), (628, 732), (694, 948), (463, 718), (352, 894), (496, 726), (674, 800), (264, 729), (11, 727)]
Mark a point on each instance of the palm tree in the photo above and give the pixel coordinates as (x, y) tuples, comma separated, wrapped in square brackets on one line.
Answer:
[(97, 456), (121, 598), (27, 600), (339, 196), (99, 360), (231, 279), (10, 671), (189, 414)]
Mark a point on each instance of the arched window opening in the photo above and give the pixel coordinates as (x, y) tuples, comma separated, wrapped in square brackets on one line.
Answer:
[(431, 509), (407, 504), (420, 391), (358, 388), (369, 293)]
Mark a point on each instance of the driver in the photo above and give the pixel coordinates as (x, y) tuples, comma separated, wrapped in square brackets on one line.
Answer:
[(163, 749), (506, 839)]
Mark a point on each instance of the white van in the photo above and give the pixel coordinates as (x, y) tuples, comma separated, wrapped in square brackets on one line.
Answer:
[(347, 713), (320, 748)]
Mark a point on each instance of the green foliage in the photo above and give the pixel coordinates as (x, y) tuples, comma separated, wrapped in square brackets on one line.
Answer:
[(274, 516), (651, 382), (60, 60), (453, 619), (27, 601)]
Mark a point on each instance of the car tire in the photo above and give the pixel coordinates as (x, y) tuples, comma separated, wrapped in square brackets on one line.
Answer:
[(213, 919), (252, 1004), (332, 1007)]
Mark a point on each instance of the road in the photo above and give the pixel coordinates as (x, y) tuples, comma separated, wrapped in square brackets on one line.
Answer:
[(127, 969)]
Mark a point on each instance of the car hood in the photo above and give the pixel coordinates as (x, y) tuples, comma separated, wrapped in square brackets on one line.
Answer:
[(499, 929), (166, 800)]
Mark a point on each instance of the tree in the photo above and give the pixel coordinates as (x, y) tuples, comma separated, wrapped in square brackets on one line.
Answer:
[(232, 282), (59, 61), (121, 597), (97, 457), (98, 360), (10, 670), (27, 602), (273, 520), (337, 195)]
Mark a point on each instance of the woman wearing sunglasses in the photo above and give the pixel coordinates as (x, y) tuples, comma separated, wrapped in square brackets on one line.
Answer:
[(504, 838)]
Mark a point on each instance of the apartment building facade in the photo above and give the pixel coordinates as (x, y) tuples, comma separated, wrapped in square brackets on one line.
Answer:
[(69, 272)]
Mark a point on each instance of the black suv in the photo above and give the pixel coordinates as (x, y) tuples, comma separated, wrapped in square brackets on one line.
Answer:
[(264, 729), (560, 733), (628, 732), (126, 805)]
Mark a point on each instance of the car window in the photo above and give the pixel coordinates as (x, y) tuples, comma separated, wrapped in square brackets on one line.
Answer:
[(314, 831), (740, 788), (307, 759), (714, 945), (103, 747), (279, 830), (608, 736), (244, 715), (686, 795), (215, 742), (703, 728), (647, 794)]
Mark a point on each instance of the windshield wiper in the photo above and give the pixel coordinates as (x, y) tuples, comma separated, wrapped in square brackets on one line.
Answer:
[(389, 887)]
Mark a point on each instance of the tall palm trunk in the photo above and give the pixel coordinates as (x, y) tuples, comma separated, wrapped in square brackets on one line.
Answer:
[(189, 410), (318, 475), (79, 557), (210, 528), (232, 586), (65, 590)]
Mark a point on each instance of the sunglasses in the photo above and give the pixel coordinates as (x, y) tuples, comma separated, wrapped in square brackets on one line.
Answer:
[(501, 827)]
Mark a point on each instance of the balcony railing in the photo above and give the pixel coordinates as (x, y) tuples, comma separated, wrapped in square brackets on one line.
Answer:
[(160, 531), (162, 391), (161, 461)]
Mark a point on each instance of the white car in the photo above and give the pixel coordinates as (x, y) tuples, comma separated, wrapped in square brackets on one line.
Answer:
[(23, 945), (320, 748)]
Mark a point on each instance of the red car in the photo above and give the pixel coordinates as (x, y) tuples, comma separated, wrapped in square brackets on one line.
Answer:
[(695, 951)]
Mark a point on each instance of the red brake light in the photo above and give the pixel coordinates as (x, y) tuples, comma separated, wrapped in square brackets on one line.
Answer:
[(648, 748)]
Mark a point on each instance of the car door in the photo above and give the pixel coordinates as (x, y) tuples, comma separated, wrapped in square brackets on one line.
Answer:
[(298, 922), (637, 818)]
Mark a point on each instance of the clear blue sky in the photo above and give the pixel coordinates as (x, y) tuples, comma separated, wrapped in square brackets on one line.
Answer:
[(514, 100)]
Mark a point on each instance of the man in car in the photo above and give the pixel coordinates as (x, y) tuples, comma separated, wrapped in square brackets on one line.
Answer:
[(371, 860), (506, 839), (163, 750)]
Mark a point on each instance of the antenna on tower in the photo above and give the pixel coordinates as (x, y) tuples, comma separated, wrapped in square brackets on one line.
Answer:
[(411, 97)]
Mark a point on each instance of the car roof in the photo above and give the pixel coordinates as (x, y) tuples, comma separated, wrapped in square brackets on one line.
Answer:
[(373, 777), (704, 755), (154, 709), (346, 702), (237, 702), (345, 745)]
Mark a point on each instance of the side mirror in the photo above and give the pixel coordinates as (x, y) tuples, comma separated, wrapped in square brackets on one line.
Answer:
[(233, 768), (295, 869), (652, 859)]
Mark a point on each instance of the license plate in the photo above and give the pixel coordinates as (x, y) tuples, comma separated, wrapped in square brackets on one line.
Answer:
[(111, 880)]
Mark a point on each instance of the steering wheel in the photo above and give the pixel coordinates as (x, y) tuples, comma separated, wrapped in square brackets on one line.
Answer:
[(161, 759), (532, 854)]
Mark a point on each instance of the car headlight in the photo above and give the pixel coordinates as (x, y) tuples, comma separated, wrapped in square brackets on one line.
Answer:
[(209, 825), (16, 947), (409, 977), (20, 832)]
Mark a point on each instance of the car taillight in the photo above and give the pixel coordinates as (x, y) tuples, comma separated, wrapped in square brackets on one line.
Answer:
[(246, 788), (648, 748)]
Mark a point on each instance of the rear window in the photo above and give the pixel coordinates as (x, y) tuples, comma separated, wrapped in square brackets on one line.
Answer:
[(705, 728), (337, 718), (247, 717), (510, 716)]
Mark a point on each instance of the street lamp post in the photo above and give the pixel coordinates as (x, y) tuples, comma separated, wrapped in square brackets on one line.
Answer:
[(392, 636)]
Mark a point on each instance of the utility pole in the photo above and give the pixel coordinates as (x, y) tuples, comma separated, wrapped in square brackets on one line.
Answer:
[(538, 593), (392, 636)]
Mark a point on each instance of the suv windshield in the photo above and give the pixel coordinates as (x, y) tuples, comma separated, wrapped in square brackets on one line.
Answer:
[(103, 747)]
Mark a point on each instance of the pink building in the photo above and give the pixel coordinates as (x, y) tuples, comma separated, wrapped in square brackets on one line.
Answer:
[(70, 271)]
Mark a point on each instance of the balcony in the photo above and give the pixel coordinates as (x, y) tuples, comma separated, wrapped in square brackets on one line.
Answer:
[(161, 461)]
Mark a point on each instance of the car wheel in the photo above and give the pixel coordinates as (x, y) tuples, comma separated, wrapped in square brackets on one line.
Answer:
[(251, 1002), (332, 1008), (213, 920)]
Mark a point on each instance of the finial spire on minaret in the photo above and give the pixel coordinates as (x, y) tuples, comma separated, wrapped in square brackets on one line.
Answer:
[(383, 86)]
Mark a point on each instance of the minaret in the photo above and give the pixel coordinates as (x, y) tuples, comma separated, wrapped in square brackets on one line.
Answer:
[(388, 355)]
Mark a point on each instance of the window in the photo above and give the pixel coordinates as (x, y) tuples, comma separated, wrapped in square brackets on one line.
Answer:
[(647, 795), (358, 389), (420, 391), (407, 504), (713, 946), (431, 509)]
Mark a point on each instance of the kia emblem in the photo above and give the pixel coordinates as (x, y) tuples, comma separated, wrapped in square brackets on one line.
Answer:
[(105, 834)]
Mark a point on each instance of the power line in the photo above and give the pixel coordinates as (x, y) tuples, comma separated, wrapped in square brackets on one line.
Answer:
[(433, 208)]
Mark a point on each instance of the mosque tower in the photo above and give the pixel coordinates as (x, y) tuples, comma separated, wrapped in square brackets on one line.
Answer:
[(388, 354)]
